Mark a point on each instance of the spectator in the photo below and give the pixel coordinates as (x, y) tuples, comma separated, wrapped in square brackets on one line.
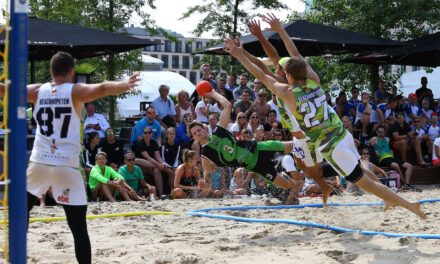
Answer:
[(240, 124), (183, 106), (218, 177), (328, 99), (232, 82), (386, 158), (258, 85), (274, 106), (149, 160), (277, 135), (135, 179), (400, 104), (240, 182), (436, 153), (148, 121), (261, 106), (182, 136), (95, 122), (243, 86), (380, 95), (212, 121), (387, 110), (433, 130), (421, 135), (170, 151), (244, 105), (424, 92), (114, 149), (188, 182), (203, 109), (271, 124), (259, 134), (104, 181), (206, 70), (426, 111), (365, 160), (412, 109), (363, 115), (90, 150), (347, 125), (394, 91), (245, 135), (342, 108), (224, 91), (212, 76), (165, 110), (404, 139), (254, 123), (353, 104)]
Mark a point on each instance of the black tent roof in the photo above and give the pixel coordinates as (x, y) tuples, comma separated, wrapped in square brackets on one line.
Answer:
[(424, 51), (313, 39), (46, 37)]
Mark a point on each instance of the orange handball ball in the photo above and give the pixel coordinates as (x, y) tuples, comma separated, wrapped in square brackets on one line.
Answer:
[(203, 87)]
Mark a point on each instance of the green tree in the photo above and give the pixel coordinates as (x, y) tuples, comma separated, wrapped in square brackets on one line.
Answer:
[(227, 18), (397, 20)]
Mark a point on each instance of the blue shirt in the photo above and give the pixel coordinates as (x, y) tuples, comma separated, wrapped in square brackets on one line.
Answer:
[(411, 109), (163, 108), (239, 90), (361, 108), (230, 88), (386, 112), (181, 136), (139, 130)]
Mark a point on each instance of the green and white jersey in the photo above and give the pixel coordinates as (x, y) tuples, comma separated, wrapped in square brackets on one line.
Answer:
[(287, 119), (314, 118)]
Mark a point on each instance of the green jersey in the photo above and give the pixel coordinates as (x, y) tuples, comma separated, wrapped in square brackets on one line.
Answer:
[(317, 121), (224, 150)]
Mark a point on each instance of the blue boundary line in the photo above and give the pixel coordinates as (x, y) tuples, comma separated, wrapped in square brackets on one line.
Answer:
[(309, 224)]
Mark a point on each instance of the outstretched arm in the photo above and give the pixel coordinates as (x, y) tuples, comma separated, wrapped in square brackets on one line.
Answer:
[(225, 117), (276, 26), (32, 91), (255, 29), (263, 67)]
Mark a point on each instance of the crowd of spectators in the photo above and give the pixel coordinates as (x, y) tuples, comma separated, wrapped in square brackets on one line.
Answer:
[(163, 161)]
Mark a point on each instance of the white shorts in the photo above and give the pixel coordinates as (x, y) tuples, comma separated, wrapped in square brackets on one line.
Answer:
[(67, 183), (343, 157), (301, 151)]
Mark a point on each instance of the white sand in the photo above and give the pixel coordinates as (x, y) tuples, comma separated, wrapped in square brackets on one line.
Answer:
[(186, 239)]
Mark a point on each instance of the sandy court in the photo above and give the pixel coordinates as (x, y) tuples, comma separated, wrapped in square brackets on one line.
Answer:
[(186, 239)]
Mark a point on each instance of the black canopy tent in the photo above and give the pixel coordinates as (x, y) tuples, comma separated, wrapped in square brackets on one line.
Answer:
[(312, 39), (47, 37), (424, 51)]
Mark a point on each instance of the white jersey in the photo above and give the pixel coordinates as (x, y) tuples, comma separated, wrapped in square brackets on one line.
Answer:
[(57, 140)]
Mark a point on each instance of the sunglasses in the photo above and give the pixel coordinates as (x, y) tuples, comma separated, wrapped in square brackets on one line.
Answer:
[(152, 113), (148, 132), (434, 117), (254, 117), (401, 117), (241, 117), (132, 159), (110, 133), (206, 69), (381, 131)]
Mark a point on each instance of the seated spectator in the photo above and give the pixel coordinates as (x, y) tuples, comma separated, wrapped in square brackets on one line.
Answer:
[(405, 139), (238, 92), (244, 105), (424, 92), (259, 135), (433, 129), (412, 109), (165, 110), (232, 83), (114, 149), (365, 160), (170, 151), (363, 116), (240, 182), (271, 124), (104, 181), (90, 150), (347, 125), (421, 135), (274, 106), (311, 187), (182, 136), (95, 122), (212, 122), (135, 179), (387, 110), (400, 103), (394, 91), (426, 110), (342, 107), (240, 124), (148, 121), (258, 85), (380, 95), (260, 106), (277, 135), (203, 109), (188, 183), (353, 104), (149, 160), (254, 123), (381, 144), (225, 91), (436, 153), (183, 106), (218, 184), (245, 134)]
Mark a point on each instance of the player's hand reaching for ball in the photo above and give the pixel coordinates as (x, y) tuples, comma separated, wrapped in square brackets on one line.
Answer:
[(233, 47)]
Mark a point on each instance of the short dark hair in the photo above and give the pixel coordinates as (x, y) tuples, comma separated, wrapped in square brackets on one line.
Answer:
[(272, 111), (244, 74), (391, 99), (297, 67), (194, 124), (61, 63)]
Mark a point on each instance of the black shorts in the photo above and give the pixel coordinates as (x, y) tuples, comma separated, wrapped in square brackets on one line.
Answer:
[(358, 125), (280, 194), (386, 162), (266, 165)]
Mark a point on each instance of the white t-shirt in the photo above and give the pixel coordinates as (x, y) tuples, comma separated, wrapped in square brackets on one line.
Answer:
[(200, 116), (436, 144), (275, 107), (433, 131)]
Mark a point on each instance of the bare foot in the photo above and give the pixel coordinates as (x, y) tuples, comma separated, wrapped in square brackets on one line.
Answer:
[(415, 208), (389, 205), (325, 194)]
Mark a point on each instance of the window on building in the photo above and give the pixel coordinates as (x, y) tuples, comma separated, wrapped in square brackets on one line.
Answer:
[(193, 77), (199, 45), (188, 47), (196, 60), (403, 68), (153, 55), (183, 73), (185, 62), (179, 46), (175, 62), (167, 46), (158, 46), (164, 58), (147, 48)]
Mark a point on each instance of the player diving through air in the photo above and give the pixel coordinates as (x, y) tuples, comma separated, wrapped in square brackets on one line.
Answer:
[(329, 140), (222, 149)]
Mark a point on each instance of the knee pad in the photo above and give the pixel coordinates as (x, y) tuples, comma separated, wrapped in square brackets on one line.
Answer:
[(356, 174)]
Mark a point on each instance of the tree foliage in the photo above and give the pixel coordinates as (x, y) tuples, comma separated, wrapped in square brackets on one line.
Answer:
[(227, 18)]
